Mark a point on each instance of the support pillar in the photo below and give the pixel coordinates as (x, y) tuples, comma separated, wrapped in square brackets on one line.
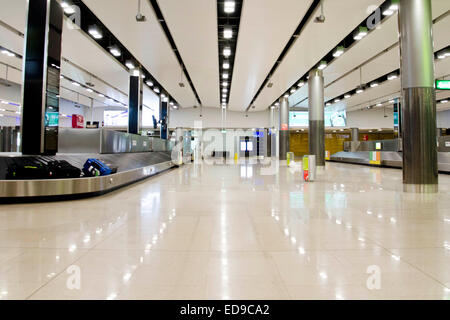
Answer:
[(316, 135), (40, 91), (164, 118), (420, 171), (284, 128), (135, 104), (355, 134)]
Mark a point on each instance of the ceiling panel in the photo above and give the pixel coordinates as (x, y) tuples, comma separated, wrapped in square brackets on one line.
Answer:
[(80, 49), (316, 40), (146, 41), (193, 25), (265, 28)]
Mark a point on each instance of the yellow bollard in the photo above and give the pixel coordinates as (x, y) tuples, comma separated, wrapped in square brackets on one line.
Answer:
[(235, 157)]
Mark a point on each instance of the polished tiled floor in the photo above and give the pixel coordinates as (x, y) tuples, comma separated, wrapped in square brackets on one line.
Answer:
[(235, 231)]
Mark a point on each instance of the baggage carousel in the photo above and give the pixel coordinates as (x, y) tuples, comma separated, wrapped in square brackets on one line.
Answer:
[(135, 157), (390, 152), (132, 167), (389, 159)]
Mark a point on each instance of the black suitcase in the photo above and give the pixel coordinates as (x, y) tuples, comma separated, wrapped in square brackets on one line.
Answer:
[(61, 169), (27, 169)]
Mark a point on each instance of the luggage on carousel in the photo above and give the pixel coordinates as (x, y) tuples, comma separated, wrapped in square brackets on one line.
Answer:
[(23, 168), (61, 169), (95, 168)]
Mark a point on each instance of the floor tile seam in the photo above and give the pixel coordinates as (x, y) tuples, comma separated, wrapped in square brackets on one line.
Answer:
[(279, 277), (87, 251), (416, 267)]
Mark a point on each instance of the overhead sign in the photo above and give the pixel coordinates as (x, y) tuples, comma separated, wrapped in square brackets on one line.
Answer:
[(443, 84)]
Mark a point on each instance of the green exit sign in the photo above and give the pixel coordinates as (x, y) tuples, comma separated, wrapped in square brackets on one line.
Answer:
[(443, 84)]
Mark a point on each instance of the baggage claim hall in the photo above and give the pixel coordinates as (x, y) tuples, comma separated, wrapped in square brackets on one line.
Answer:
[(224, 149)]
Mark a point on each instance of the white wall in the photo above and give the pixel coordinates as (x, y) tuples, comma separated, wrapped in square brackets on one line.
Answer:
[(374, 119), (443, 119), (371, 119), (212, 118), (11, 94)]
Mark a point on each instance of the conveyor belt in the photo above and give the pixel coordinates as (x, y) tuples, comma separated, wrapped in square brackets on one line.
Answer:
[(388, 159), (132, 167), (123, 161)]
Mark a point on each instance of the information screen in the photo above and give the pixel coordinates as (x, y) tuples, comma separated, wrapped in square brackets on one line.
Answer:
[(51, 119), (249, 146), (116, 118), (332, 119), (243, 146)]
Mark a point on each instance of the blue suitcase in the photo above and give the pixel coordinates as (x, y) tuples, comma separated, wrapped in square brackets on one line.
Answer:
[(95, 168)]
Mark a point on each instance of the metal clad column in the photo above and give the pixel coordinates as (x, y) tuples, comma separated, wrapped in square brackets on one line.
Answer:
[(135, 104), (355, 134), (316, 135), (420, 171), (164, 118), (41, 65), (284, 128)]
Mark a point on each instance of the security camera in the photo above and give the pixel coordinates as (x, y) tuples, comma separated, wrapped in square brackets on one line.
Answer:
[(320, 19), (140, 17)]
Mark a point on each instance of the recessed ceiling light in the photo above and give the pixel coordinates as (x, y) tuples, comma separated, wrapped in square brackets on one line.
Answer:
[(444, 101), (286, 95), (225, 84), (229, 6), (225, 90), (8, 53), (89, 90), (391, 101), (149, 83), (226, 65), (339, 51), (348, 95), (292, 90), (360, 33), (394, 7), (359, 90), (392, 76), (374, 84), (337, 100), (379, 104), (129, 64), (101, 95), (95, 32), (228, 33), (225, 76), (69, 9), (227, 51), (76, 84), (115, 51), (300, 84), (322, 65), (156, 90)]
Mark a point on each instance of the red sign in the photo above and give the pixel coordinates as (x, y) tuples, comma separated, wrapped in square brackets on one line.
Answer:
[(366, 137), (77, 121), (284, 127)]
